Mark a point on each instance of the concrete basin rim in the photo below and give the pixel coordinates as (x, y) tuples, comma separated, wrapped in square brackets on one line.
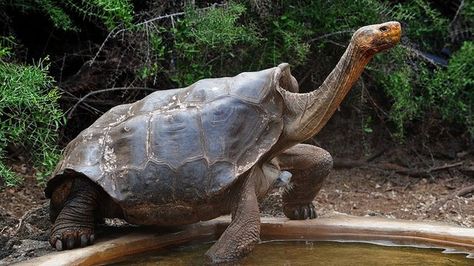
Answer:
[(341, 228)]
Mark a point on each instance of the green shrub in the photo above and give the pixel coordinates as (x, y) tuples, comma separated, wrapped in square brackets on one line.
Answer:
[(286, 41), (417, 89), (423, 25), (450, 91), (30, 116), (205, 39), (109, 12), (6, 46), (405, 105)]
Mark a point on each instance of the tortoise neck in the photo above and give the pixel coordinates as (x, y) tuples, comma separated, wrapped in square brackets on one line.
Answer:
[(334, 89), (313, 109)]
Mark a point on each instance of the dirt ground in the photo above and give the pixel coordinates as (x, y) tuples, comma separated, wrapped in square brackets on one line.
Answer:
[(361, 192), (367, 188)]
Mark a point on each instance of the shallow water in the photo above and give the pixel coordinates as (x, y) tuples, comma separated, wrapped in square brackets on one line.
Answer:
[(307, 253)]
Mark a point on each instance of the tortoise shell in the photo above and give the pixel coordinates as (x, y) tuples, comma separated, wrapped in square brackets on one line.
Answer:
[(185, 144)]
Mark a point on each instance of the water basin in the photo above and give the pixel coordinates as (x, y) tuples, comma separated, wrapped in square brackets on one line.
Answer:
[(305, 253)]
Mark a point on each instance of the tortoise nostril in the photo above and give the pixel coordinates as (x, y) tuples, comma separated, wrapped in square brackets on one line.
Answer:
[(383, 28)]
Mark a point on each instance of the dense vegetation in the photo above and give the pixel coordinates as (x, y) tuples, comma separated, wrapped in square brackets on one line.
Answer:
[(86, 46)]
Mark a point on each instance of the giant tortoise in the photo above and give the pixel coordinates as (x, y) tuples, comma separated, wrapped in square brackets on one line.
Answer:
[(216, 147)]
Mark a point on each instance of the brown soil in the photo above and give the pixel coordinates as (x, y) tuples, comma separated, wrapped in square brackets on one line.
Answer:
[(17, 201)]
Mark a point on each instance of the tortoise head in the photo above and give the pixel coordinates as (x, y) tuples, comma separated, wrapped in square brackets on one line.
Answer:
[(376, 38)]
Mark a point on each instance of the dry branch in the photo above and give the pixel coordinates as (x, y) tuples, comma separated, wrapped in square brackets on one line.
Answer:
[(414, 172), (464, 191), (71, 111), (114, 32), (458, 193)]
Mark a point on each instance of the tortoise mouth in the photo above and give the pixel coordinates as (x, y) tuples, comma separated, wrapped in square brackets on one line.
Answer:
[(395, 32)]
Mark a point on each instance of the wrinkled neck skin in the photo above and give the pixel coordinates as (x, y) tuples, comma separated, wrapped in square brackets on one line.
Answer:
[(309, 112)]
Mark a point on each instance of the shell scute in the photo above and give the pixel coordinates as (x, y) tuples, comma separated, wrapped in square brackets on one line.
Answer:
[(129, 150), (154, 183), (222, 172), (175, 137), (87, 153), (228, 125), (207, 90), (112, 117), (153, 102), (192, 175), (245, 83)]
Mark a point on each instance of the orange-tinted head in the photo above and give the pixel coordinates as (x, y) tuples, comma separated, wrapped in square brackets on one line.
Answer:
[(376, 38)]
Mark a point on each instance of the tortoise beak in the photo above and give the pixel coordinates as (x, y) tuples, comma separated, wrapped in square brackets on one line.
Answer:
[(392, 30), (388, 35)]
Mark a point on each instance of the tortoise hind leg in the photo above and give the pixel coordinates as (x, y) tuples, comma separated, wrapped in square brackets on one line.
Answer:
[(244, 231), (309, 165), (74, 225)]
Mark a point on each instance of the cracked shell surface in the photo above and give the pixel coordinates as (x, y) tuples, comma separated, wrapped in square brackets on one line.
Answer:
[(185, 144)]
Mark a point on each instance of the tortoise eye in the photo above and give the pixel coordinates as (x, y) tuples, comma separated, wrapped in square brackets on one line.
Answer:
[(383, 28)]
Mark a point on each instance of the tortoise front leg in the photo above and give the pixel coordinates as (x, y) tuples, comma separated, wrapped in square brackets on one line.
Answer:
[(244, 231), (309, 165), (75, 224)]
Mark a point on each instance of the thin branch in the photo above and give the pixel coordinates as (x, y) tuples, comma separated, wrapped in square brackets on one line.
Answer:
[(23, 218), (458, 11), (336, 43), (371, 99), (114, 32), (446, 166), (100, 102), (92, 109), (330, 34), (417, 172), (420, 54), (168, 16), (71, 111), (458, 193), (153, 20), (102, 45), (464, 191), (424, 172)]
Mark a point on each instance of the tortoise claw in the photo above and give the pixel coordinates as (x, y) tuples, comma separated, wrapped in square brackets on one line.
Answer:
[(58, 245), (300, 212), (71, 238), (296, 213), (84, 241), (70, 243)]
